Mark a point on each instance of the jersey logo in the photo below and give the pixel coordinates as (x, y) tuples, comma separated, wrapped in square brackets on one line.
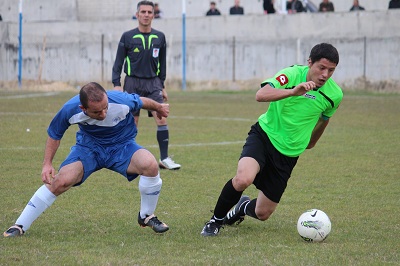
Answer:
[(282, 79), (156, 51), (309, 96), (136, 50)]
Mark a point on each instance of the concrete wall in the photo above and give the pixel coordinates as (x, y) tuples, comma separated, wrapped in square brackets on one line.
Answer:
[(221, 51), (100, 10)]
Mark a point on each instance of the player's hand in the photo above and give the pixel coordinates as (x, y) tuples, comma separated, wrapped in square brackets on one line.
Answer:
[(163, 111), (303, 88), (48, 174), (118, 88)]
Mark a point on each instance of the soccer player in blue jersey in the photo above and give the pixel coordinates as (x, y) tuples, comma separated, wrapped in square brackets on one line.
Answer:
[(106, 139)]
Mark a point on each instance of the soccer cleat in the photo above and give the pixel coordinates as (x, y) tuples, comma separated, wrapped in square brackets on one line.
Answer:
[(236, 215), (168, 163), (211, 228), (13, 231), (153, 222)]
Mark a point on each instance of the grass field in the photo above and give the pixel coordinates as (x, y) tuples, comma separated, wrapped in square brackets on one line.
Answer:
[(352, 174)]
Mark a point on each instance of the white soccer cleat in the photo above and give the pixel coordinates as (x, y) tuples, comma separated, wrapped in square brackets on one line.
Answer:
[(168, 163)]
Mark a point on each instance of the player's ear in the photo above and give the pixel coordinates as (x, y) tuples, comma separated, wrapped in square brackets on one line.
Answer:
[(82, 108), (309, 62)]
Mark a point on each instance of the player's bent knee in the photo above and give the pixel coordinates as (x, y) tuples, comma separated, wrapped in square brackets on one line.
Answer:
[(241, 183), (263, 215), (60, 186), (149, 168)]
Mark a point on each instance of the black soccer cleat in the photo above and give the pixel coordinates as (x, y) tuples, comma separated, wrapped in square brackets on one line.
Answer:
[(236, 215), (13, 231), (211, 228), (153, 222)]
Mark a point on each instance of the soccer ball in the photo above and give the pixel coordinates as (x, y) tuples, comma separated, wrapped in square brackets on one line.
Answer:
[(314, 225)]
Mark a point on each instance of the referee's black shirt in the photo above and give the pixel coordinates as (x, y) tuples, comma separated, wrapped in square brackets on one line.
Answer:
[(144, 55)]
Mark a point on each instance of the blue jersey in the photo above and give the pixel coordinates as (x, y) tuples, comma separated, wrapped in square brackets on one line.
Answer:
[(118, 126)]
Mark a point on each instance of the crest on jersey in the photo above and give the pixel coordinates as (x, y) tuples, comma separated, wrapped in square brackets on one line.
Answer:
[(156, 51), (282, 79)]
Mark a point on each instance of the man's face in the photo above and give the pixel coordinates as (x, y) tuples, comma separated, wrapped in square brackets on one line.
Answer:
[(320, 71), (97, 110), (145, 15)]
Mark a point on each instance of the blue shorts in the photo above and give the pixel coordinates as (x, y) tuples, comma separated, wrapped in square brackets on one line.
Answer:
[(95, 157)]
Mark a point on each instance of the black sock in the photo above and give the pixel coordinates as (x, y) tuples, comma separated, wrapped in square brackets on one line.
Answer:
[(227, 199), (163, 140), (250, 209)]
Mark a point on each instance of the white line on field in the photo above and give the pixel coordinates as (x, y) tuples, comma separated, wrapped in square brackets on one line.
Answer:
[(170, 117), (30, 95), (212, 118), (145, 146)]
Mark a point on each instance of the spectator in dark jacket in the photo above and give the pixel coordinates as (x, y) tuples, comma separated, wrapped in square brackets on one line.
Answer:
[(236, 9), (394, 4), (356, 6), (213, 11), (295, 6), (268, 6), (326, 6)]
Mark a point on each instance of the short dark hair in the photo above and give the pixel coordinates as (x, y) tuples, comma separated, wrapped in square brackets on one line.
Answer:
[(324, 50), (144, 3), (91, 92)]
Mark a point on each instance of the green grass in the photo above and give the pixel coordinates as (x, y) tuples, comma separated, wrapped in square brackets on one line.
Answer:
[(352, 174)]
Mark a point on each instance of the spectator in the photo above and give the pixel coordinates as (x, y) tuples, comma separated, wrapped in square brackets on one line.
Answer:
[(236, 9), (268, 6), (394, 4), (157, 11), (295, 6), (356, 6), (326, 6), (213, 11)]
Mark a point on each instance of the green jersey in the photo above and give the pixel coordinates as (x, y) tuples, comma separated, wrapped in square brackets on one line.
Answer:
[(289, 122)]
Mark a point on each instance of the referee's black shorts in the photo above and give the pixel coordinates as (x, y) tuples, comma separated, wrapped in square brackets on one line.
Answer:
[(275, 168), (150, 88)]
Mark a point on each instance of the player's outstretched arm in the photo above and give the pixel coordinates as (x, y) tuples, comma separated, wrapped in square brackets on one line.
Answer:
[(270, 94), (162, 109)]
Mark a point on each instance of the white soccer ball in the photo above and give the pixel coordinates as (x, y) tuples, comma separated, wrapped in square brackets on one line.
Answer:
[(314, 225)]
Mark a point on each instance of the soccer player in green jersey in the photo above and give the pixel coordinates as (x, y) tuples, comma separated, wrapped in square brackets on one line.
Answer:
[(302, 100)]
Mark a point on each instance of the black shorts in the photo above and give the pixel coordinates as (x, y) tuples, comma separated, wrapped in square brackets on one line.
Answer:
[(275, 168), (150, 88)]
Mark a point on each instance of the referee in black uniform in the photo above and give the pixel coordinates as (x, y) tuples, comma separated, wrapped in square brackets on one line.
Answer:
[(143, 50)]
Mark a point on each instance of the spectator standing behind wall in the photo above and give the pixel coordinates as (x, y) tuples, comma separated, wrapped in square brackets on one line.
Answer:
[(213, 11), (268, 6), (394, 4), (236, 9), (356, 6), (295, 6), (326, 6), (157, 11)]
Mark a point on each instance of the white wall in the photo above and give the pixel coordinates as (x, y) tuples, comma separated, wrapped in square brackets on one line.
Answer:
[(221, 49), (101, 10)]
